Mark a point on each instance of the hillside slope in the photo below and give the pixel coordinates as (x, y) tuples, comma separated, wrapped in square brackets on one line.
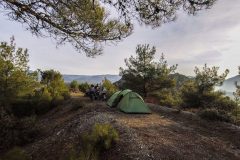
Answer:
[(165, 134)]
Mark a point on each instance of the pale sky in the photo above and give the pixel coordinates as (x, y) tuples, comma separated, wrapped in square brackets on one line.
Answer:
[(212, 37)]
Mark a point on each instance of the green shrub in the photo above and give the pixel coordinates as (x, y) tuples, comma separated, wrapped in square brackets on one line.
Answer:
[(15, 79), (66, 95), (44, 102), (39, 104), (83, 87), (45, 95), (166, 98), (56, 101), (192, 98), (16, 154), (102, 137), (111, 88), (23, 107), (16, 131), (42, 107), (28, 107), (223, 103), (7, 136), (215, 115), (54, 82), (74, 86), (236, 114), (189, 95)]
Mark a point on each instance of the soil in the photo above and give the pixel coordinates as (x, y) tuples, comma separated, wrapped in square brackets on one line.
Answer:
[(166, 134)]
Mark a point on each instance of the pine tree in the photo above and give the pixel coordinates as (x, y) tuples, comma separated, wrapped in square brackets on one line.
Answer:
[(15, 77), (200, 93), (237, 99), (144, 75), (208, 78)]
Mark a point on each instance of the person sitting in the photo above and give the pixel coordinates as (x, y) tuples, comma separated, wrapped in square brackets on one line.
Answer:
[(104, 94), (92, 92)]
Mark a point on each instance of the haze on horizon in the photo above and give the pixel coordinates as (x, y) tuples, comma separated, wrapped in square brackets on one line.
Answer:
[(212, 37)]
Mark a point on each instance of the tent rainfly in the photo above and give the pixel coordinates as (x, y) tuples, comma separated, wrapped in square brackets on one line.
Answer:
[(128, 102)]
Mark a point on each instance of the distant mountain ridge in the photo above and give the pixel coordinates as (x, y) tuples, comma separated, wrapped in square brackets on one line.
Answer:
[(229, 85), (91, 78)]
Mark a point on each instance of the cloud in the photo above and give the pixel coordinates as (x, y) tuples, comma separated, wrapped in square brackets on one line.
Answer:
[(210, 56)]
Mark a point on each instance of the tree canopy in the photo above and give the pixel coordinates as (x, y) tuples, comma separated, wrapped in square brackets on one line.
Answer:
[(208, 78), (200, 92), (237, 92), (74, 85), (15, 78), (111, 88), (83, 87), (87, 24), (143, 74), (54, 83)]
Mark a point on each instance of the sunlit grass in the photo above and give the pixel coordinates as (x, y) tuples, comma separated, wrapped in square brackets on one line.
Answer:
[(77, 94)]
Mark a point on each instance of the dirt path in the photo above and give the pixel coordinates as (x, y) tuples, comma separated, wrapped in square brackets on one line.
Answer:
[(169, 138), (162, 135)]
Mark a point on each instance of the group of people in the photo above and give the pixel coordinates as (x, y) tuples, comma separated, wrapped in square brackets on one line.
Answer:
[(97, 92)]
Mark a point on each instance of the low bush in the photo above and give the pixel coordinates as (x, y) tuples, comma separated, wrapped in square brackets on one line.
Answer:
[(27, 107), (38, 104), (166, 98), (192, 98), (102, 137), (83, 87), (43, 107), (16, 154), (56, 101), (111, 88), (66, 95), (236, 114), (16, 131), (215, 115), (217, 100), (189, 95), (23, 107)]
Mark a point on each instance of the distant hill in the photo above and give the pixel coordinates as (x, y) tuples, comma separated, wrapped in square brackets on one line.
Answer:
[(90, 78), (180, 79)]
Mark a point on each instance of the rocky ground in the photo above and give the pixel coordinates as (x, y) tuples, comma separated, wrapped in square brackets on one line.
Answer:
[(165, 134)]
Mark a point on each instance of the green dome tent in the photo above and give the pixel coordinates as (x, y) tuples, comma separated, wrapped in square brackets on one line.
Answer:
[(128, 102), (110, 101)]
